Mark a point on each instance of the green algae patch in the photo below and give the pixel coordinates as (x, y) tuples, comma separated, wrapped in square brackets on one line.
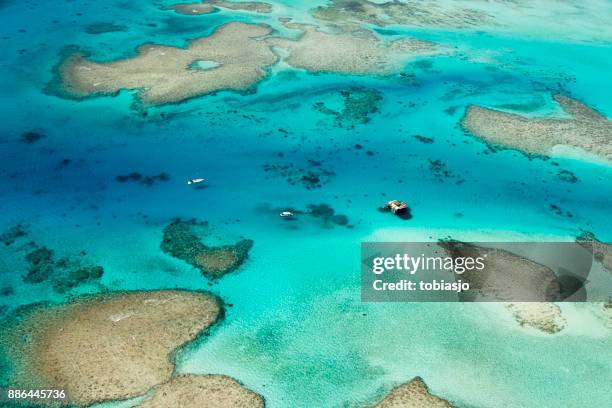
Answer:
[(104, 347), (413, 394), (182, 241), (358, 104), (189, 391)]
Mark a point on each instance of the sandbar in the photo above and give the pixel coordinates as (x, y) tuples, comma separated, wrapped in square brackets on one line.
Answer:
[(163, 74), (362, 52), (586, 129), (203, 391), (413, 394), (104, 347)]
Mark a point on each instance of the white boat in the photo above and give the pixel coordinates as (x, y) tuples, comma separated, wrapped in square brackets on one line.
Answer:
[(286, 214), (195, 181)]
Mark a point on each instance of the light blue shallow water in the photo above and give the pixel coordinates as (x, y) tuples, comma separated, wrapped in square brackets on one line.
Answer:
[(297, 332)]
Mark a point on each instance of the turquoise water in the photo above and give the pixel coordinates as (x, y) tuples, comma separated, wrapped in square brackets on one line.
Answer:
[(297, 332)]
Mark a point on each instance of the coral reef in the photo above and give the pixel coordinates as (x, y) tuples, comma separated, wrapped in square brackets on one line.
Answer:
[(103, 28), (507, 277), (362, 52), (161, 74), (543, 316), (104, 347), (311, 175), (181, 242), (136, 177), (413, 394), (412, 13), (211, 6), (32, 137), (357, 106), (201, 391), (602, 251), (586, 129), (63, 274), (12, 234)]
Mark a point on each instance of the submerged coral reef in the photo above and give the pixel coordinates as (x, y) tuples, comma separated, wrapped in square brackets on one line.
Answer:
[(586, 129), (180, 241), (357, 106), (197, 391), (104, 347), (362, 52), (161, 74), (413, 394), (64, 273)]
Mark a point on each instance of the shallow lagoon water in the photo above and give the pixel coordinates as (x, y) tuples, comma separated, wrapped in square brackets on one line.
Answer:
[(297, 332)]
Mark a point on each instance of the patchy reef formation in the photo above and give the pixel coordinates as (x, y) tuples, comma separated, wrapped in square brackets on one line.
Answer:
[(104, 27), (183, 240), (251, 6), (164, 74), (211, 6), (63, 274), (193, 9), (602, 252), (32, 136), (201, 391), (322, 215), (42, 265), (586, 129), (12, 234), (411, 13), (357, 106), (362, 52), (413, 394), (543, 316), (136, 177), (508, 277), (311, 175), (105, 347)]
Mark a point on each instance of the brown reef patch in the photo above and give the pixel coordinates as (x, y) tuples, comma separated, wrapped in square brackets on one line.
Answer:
[(363, 53), (104, 347), (163, 74), (357, 106), (410, 12), (586, 129), (183, 240), (413, 394), (203, 391)]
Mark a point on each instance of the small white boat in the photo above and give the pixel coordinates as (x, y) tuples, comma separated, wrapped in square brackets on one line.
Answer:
[(195, 181), (286, 214)]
